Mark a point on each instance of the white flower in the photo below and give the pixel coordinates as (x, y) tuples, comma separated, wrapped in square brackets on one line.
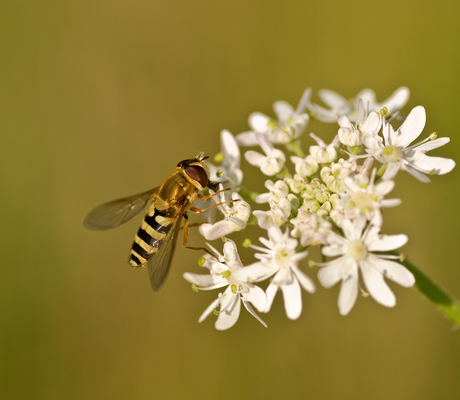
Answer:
[(280, 259), (224, 271), (230, 165), (340, 106), (272, 162), (322, 153), (277, 215), (397, 154), (236, 217), (310, 228), (355, 253), (289, 126), (367, 124), (277, 190), (363, 197), (307, 166)]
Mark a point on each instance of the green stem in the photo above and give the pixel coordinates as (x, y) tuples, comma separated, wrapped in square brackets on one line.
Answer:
[(380, 172), (448, 305), (294, 146)]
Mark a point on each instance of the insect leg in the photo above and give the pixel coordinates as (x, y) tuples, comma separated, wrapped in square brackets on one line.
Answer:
[(200, 196), (200, 210), (186, 234)]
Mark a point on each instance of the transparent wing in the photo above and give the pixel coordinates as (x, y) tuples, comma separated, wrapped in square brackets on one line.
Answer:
[(158, 265), (117, 212)]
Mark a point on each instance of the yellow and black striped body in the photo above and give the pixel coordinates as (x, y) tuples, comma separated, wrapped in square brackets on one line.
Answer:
[(174, 197)]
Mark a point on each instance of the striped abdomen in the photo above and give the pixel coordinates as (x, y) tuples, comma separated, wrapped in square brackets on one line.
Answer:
[(150, 236)]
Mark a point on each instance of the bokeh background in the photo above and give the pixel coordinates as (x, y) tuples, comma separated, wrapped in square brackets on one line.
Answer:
[(101, 99)]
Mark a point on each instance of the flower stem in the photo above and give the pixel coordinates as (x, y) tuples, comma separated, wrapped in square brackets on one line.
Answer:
[(294, 146), (448, 305)]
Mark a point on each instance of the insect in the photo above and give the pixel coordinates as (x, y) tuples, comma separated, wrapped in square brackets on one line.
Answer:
[(155, 240)]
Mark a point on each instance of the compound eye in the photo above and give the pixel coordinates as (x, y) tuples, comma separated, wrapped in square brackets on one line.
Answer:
[(197, 173)]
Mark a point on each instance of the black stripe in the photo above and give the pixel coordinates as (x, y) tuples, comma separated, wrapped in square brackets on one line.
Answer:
[(145, 236), (139, 250), (135, 259), (155, 225)]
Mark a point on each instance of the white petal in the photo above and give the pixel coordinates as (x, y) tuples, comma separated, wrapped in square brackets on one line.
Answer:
[(368, 98), (216, 231), (372, 124), (384, 187), (253, 313), (412, 127), (387, 203), (345, 123), (432, 144), (254, 158), (333, 99), (208, 310), (393, 270), (387, 242), (416, 174), (333, 272), (292, 299), (283, 110), (229, 146), (272, 289), (391, 170), (323, 114), (259, 122), (304, 280), (348, 291), (228, 318), (439, 165), (376, 285), (397, 100), (303, 101), (201, 280), (255, 272), (248, 138), (257, 297), (333, 250)]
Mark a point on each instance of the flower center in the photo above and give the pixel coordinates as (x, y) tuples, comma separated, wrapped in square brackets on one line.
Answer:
[(392, 153), (357, 250), (362, 200), (282, 257)]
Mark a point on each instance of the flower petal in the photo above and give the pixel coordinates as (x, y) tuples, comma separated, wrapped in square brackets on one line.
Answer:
[(435, 165), (271, 291), (254, 158), (257, 297), (333, 272), (348, 291), (376, 285), (229, 316), (303, 279), (412, 127), (387, 242), (292, 299), (393, 270), (283, 110), (208, 310), (259, 122)]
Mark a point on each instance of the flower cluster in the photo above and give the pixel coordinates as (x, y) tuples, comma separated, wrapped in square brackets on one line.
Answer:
[(333, 199)]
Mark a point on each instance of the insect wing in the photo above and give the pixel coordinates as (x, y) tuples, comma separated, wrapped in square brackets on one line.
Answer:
[(117, 212), (158, 265)]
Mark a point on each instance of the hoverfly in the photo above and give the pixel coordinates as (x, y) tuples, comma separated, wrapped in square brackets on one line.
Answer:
[(155, 240)]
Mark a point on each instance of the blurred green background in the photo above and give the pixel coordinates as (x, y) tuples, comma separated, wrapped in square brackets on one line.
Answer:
[(101, 99)]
